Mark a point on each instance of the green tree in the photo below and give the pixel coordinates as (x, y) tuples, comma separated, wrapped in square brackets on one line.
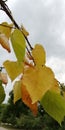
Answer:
[(12, 111)]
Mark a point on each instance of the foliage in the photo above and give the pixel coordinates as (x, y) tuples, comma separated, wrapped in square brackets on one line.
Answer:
[(20, 116), (29, 122), (2, 92), (11, 111), (37, 81), (18, 43), (53, 103)]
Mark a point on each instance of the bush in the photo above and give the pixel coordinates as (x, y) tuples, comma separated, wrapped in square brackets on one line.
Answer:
[(29, 122)]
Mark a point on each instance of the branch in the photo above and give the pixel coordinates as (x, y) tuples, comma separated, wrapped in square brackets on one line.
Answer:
[(8, 12)]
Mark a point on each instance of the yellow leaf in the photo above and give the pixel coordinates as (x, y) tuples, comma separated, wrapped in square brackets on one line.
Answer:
[(4, 42), (56, 88), (38, 81), (27, 100), (6, 28), (25, 32), (3, 77), (13, 68), (39, 55), (17, 91)]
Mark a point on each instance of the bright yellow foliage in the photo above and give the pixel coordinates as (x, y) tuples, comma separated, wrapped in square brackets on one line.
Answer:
[(39, 55), (56, 87), (13, 68), (6, 28), (38, 81)]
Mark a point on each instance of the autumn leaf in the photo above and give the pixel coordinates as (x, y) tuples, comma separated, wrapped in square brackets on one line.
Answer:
[(39, 55), (27, 100), (3, 77), (13, 68), (24, 31), (18, 44), (38, 81), (54, 105), (17, 91), (4, 42), (6, 28), (56, 87)]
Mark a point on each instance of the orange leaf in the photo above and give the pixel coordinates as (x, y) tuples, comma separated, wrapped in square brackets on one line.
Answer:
[(4, 42), (3, 77), (27, 100)]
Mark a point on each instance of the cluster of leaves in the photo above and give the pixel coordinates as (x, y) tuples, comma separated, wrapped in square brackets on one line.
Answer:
[(37, 81)]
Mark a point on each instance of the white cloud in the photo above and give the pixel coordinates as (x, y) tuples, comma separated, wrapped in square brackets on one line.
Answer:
[(58, 66)]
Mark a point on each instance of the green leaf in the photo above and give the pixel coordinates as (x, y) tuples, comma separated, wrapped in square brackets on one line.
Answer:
[(13, 68), (17, 91), (18, 43), (2, 93), (54, 105), (0, 82)]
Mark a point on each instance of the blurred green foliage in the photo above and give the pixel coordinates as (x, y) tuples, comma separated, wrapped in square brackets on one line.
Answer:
[(20, 116)]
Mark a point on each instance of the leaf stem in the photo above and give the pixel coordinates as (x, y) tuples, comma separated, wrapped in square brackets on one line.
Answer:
[(8, 12)]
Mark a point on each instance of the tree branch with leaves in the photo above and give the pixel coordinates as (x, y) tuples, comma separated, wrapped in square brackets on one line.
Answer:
[(37, 82)]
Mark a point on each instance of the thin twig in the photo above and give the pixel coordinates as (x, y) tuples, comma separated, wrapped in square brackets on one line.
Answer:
[(8, 12), (21, 31), (29, 53)]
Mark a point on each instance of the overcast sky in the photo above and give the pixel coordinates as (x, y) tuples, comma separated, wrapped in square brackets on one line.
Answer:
[(45, 21)]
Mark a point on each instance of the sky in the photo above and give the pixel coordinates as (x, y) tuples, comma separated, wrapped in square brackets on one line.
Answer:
[(45, 21)]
